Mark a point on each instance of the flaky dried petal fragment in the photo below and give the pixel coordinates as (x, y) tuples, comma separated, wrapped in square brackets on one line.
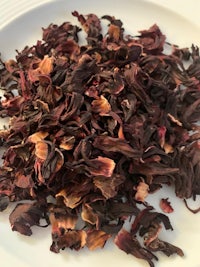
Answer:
[(12, 105), (41, 150), (152, 234), (101, 105), (148, 220), (142, 191), (24, 216), (88, 214), (165, 247), (129, 244), (48, 160), (102, 166), (74, 239), (67, 142), (165, 205), (70, 200), (152, 40), (40, 67), (61, 220), (109, 185), (23, 181), (36, 137), (114, 32), (107, 143), (96, 239)]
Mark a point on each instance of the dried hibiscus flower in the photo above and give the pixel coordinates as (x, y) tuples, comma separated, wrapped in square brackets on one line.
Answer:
[(94, 129)]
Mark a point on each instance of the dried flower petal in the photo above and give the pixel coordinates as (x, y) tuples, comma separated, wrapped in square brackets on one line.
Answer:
[(67, 142), (36, 137), (24, 216), (142, 191), (102, 166), (101, 105), (128, 243), (70, 201), (165, 205), (152, 233), (23, 181), (61, 220), (167, 248), (96, 239), (108, 185), (41, 150), (46, 65), (88, 215), (75, 239), (111, 144)]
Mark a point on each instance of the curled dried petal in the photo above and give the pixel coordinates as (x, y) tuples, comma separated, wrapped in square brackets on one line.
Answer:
[(101, 105), (142, 191), (36, 137), (46, 65), (59, 160), (114, 32), (67, 142), (88, 214), (75, 239), (102, 166), (96, 239), (24, 216), (41, 150), (165, 205), (23, 181), (152, 40), (108, 185), (168, 148), (167, 248), (111, 144), (61, 220), (152, 233), (129, 244), (11, 65), (70, 201)]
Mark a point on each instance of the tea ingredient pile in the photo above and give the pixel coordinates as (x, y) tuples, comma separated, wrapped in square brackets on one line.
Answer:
[(94, 129)]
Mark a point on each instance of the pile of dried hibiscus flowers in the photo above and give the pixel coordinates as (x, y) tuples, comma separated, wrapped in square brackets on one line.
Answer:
[(94, 129)]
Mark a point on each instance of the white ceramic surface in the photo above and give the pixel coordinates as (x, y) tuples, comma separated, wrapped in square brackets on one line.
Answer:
[(20, 24)]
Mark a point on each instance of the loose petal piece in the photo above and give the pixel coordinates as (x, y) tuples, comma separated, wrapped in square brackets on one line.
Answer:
[(165, 205)]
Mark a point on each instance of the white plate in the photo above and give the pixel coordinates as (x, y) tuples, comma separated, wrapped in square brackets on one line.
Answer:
[(20, 251)]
